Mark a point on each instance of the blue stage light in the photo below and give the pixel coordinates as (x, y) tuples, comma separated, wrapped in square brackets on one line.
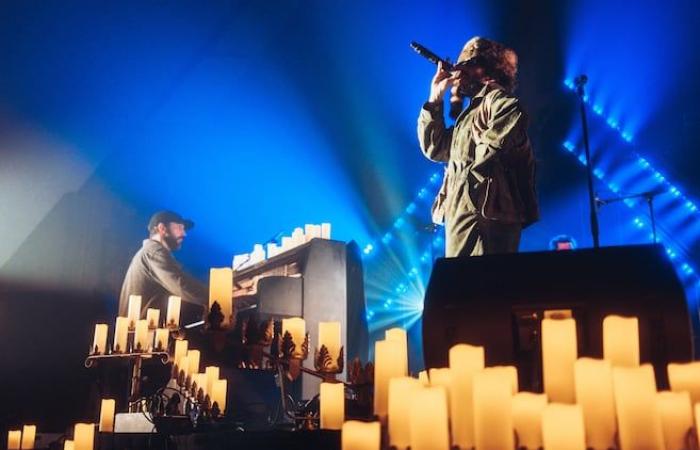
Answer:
[(411, 208), (598, 109), (569, 146)]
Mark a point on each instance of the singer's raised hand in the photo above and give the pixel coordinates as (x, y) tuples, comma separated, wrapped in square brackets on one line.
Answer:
[(438, 86)]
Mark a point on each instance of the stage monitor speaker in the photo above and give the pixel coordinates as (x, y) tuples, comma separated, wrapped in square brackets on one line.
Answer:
[(498, 301)]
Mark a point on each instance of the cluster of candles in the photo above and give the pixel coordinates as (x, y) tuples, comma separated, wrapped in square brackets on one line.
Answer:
[(587, 403), (188, 361)]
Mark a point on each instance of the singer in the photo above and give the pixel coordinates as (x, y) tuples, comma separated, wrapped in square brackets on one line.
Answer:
[(488, 191)]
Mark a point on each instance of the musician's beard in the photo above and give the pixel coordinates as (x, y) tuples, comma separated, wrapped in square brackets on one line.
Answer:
[(172, 242)]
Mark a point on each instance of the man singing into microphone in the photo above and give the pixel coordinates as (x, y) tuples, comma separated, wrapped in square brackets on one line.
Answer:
[(488, 192)]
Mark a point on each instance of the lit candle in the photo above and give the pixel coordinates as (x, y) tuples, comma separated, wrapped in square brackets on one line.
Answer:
[(121, 333), (28, 436), (685, 377), (221, 291), (107, 416), (621, 341), (508, 374), (562, 427), (595, 394), (442, 377), (493, 419), (14, 439), (637, 410), (68, 444), (399, 335), (162, 339), (272, 250), (423, 378), (326, 230), (298, 236), (180, 350), (465, 361), (134, 313), (193, 357), (696, 410), (212, 373), (332, 405), (218, 394), (676, 418), (296, 326), (152, 318), (84, 436), (141, 336), (428, 419), (99, 343), (184, 366), (358, 435), (173, 314), (200, 379), (329, 336), (387, 365), (558, 357), (401, 391), (527, 418)]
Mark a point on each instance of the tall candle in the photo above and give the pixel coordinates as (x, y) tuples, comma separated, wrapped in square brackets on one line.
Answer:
[(401, 391), (99, 343), (558, 356), (200, 379), (685, 377), (180, 350), (221, 291), (296, 326), (173, 314), (84, 436), (621, 341), (332, 405), (423, 378), (442, 377), (595, 394), (107, 415), (162, 339), (465, 361), (134, 311), (428, 419), (121, 333), (329, 336), (506, 373), (28, 436), (212, 375), (184, 366), (218, 394), (399, 335), (527, 418), (326, 230), (676, 418), (636, 406), (153, 318), (141, 336), (193, 357), (358, 435), (562, 427), (68, 444), (493, 420), (388, 363), (14, 439)]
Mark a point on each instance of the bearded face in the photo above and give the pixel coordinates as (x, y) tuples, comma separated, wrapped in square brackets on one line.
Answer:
[(173, 235)]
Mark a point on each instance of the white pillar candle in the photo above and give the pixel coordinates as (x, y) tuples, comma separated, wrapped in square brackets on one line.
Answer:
[(141, 341), (506, 373), (221, 291), (621, 341), (218, 394), (121, 334), (296, 326), (287, 243), (676, 418), (272, 250), (14, 439), (68, 444), (594, 392), (685, 377), (423, 378), (326, 230), (442, 377), (107, 415), (401, 391), (84, 436), (297, 236), (162, 339), (638, 417), (527, 418), (28, 436), (399, 335), (493, 420), (465, 361), (200, 379), (428, 419), (193, 357), (212, 375), (332, 406), (180, 350), (562, 427), (558, 356), (99, 343), (388, 363), (329, 336), (153, 318), (173, 314), (134, 311), (184, 366), (358, 435)]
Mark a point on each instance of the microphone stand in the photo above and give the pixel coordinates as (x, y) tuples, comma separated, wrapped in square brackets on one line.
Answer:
[(648, 196), (580, 82)]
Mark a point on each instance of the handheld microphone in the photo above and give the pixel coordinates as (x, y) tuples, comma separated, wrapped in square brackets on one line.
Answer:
[(430, 56)]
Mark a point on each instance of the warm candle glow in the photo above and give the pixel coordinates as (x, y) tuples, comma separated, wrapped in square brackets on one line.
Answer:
[(153, 318), (506, 373), (332, 405), (558, 356), (326, 230), (527, 418), (401, 391), (161, 339), (296, 326), (180, 350), (141, 341), (212, 375), (685, 377), (99, 343), (465, 361), (173, 314), (221, 291), (184, 366), (329, 335), (493, 420), (358, 435), (429, 424), (134, 311), (28, 436), (388, 363), (442, 377), (107, 415), (193, 357), (423, 378), (121, 333), (14, 439), (562, 427), (84, 436), (200, 379), (68, 444), (676, 417), (218, 394), (399, 335), (621, 341), (637, 410), (595, 394)]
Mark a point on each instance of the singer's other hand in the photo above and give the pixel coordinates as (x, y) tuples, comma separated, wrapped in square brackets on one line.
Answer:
[(438, 86)]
